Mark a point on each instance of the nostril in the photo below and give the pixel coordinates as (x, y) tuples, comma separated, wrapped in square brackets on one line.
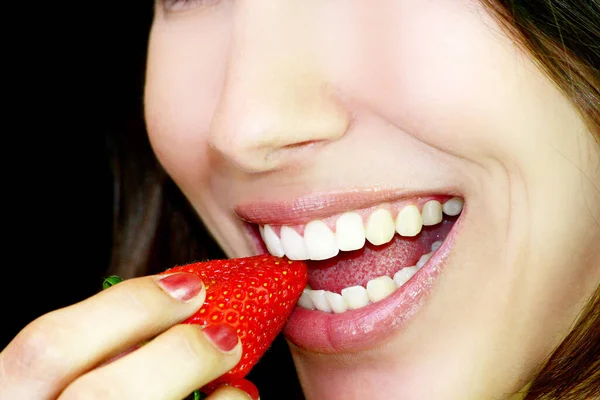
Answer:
[(307, 143), (294, 154), (278, 128)]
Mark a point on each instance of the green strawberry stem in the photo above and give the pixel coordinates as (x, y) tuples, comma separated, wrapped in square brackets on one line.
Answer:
[(196, 395), (111, 281)]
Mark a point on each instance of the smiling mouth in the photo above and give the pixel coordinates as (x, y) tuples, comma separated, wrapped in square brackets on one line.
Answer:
[(369, 268)]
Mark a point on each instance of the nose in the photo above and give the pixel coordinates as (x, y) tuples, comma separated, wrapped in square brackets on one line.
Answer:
[(276, 102)]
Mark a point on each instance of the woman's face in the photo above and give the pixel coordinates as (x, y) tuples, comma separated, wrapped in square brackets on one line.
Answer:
[(325, 122)]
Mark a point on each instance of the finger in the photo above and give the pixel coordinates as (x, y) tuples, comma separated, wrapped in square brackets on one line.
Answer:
[(238, 390), (171, 366), (56, 348)]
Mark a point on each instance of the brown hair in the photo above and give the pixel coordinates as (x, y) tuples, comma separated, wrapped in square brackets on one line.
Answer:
[(155, 226)]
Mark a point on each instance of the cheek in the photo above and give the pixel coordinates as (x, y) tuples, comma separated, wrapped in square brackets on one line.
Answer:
[(184, 77), (452, 79)]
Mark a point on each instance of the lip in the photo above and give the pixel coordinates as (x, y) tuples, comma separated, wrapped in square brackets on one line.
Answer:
[(356, 330), (306, 208), (368, 327)]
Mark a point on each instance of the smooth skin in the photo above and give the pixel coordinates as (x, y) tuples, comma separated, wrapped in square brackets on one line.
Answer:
[(84, 351), (273, 100)]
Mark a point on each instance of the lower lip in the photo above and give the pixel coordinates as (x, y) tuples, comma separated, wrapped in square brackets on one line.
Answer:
[(369, 326)]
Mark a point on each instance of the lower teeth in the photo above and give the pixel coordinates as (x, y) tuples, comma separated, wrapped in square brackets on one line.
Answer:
[(355, 297)]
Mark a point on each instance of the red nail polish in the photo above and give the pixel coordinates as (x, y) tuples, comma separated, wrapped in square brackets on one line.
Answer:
[(222, 335), (181, 286), (246, 386)]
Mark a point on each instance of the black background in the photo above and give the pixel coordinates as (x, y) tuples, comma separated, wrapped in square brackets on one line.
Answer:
[(73, 74)]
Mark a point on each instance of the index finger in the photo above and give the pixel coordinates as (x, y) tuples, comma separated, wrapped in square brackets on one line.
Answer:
[(56, 348)]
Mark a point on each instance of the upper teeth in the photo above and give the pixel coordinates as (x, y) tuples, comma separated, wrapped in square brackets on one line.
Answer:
[(320, 242)]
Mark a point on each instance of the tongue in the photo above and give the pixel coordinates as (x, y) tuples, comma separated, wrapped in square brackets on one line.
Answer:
[(358, 267)]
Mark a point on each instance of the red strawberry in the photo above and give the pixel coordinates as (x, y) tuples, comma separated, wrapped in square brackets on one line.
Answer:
[(255, 295)]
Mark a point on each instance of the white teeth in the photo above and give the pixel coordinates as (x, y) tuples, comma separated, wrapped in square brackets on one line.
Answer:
[(380, 288), (336, 302), (320, 241), (432, 213), (355, 297), (272, 241), (436, 245), (380, 227), (319, 300), (293, 244), (409, 221), (454, 206), (424, 258), (305, 300), (349, 232), (402, 276)]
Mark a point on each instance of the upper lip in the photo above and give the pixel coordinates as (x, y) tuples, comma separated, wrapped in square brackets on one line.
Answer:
[(313, 206)]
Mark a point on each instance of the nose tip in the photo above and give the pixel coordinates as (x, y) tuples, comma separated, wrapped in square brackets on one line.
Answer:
[(262, 130)]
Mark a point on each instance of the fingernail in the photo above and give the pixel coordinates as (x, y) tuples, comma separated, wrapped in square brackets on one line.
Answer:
[(181, 286), (246, 386), (223, 336)]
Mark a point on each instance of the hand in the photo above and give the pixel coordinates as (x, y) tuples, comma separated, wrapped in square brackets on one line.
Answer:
[(92, 350)]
